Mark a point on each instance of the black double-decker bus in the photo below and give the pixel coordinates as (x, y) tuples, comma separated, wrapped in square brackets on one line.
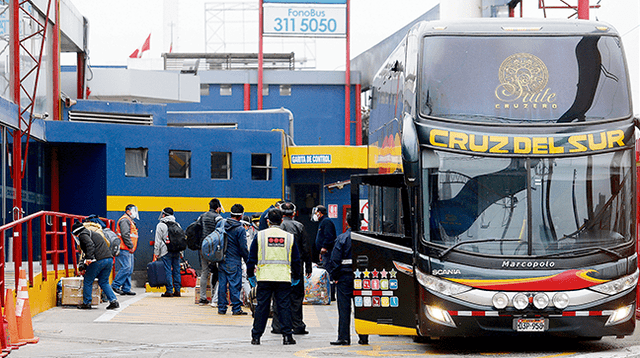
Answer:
[(503, 198)]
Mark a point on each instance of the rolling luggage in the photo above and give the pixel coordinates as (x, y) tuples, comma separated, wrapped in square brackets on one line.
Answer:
[(156, 275)]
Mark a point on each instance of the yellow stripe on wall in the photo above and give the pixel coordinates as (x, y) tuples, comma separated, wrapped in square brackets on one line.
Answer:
[(367, 327), (186, 204)]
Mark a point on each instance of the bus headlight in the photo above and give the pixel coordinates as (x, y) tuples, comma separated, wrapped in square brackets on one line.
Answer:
[(439, 315), (617, 286), (500, 300), (520, 301), (541, 300), (444, 287), (620, 315), (561, 300)]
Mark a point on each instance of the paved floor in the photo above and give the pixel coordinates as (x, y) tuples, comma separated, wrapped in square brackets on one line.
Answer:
[(148, 325)]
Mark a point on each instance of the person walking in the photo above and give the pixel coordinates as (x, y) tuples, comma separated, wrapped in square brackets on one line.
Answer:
[(289, 224), (170, 260), (262, 224), (128, 233), (230, 270), (340, 268), (209, 221), (273, 266), (98, 261)]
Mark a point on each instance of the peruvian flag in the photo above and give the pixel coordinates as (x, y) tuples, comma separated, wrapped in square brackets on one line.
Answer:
[(145, 47)]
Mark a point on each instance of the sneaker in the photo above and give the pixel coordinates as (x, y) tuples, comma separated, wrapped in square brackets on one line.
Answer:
[(167, 294), (240, 313), (128, 293), (176, 294), (288, 340), (118, 291), (204, 301), (255, 341), (304, 331), (84, 306), (222, 312), (113, 305)]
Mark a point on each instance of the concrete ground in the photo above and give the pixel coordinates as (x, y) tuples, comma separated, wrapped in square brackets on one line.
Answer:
[(147, 325)]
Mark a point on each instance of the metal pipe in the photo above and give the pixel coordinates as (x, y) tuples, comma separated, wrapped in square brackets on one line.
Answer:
[(347, 87), (260, 52)]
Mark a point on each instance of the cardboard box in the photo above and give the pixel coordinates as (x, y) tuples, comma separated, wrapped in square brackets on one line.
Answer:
[(197, 294), (72, 291)]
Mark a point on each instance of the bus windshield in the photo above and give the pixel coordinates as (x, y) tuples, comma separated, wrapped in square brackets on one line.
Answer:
[(523, 79), (528, 206)]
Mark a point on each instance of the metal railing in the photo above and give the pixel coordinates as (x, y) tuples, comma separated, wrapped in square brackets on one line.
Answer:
[(55, 238)]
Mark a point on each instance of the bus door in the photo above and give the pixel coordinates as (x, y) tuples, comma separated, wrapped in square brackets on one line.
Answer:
[(384, 285)]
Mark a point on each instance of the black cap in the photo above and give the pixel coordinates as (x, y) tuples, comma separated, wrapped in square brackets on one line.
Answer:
[(167, 211), (77, 227)]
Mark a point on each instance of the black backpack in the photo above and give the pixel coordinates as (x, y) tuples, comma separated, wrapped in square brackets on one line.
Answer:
[(194, 235), (176, 240)]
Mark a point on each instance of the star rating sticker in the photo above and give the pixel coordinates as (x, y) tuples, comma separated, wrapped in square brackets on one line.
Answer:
[(357, 273), (366, 273), (374, 274), (383, 273), (393, 273)]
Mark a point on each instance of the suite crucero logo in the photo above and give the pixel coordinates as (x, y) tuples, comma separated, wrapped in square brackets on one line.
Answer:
[(523, 84)]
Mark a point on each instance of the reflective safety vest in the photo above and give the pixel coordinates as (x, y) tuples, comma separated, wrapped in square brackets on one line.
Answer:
[(274, 255), (133, 233)]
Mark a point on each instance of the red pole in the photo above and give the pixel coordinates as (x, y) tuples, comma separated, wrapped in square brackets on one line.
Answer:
[(358, 115), (583, 9), (80, 66), (16, 173), (260, 54), (55, 62), (347, 87), (247, 96)]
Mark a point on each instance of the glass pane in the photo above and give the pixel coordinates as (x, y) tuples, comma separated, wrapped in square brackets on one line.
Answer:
[(582, 202), (559, 79), (220, 165), (179, 164), (478, 198), (261, 166), (136, 162)]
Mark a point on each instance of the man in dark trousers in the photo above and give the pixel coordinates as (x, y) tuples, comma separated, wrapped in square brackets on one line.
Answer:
[(230, 270), (340, 268), (273, 266), (209, 220), (297, 292), (325, 239)]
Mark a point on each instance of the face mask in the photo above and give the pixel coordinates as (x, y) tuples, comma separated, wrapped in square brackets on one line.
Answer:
[(314, 215), (134, 213)]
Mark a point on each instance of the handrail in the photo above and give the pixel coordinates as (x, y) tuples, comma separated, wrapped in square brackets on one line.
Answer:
[(54, 231)]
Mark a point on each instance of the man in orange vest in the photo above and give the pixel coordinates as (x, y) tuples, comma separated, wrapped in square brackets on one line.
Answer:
[(128, 234)]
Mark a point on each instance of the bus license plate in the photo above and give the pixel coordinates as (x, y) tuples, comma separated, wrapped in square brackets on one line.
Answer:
[(530, 325)]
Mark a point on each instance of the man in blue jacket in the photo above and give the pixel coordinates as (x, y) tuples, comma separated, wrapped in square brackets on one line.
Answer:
[(230, 270), (326, 236), (340, 266)]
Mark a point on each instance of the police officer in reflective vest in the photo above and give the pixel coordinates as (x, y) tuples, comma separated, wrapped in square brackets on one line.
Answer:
[(274, 266)]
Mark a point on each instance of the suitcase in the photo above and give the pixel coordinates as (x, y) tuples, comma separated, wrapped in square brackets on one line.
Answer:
[(156, 276)]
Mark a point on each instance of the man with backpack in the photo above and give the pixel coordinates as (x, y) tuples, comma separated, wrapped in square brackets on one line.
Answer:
[(230, 269), (167, 247), (98, 262), (208, 220)]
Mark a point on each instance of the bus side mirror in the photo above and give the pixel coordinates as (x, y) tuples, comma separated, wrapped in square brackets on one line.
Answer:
[(410, 151)]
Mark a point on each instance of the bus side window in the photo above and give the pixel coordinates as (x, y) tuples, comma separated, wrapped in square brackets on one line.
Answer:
[(385, 210)]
